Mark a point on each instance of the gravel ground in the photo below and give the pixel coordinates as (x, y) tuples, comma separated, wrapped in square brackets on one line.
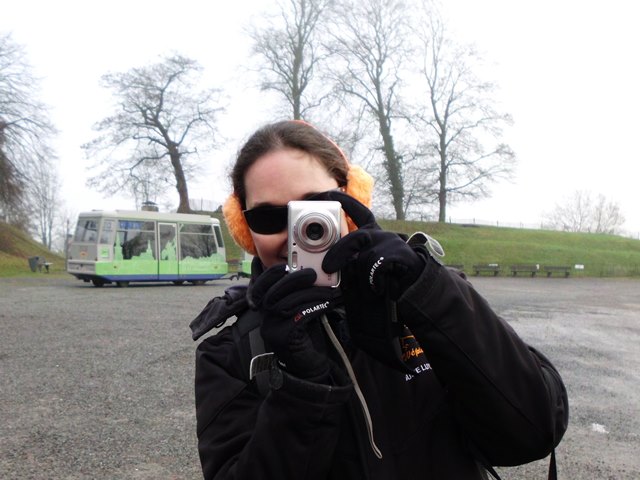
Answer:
[(98, 383)]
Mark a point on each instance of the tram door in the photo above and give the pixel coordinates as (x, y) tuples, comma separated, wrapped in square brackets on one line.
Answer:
[(168, 259)]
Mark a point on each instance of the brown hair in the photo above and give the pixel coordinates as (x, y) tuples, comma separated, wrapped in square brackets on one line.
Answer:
[(288, 134)]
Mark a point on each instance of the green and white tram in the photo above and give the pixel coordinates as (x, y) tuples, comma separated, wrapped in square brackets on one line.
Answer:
[(141, 246)]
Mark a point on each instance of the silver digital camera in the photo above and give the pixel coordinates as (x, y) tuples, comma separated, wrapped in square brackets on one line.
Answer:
[(314, 226)]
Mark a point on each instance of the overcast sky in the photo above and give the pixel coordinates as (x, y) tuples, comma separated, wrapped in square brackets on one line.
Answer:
[(568, 71)]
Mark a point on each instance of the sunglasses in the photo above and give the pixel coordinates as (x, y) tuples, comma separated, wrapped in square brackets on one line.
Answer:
[(269, 220)]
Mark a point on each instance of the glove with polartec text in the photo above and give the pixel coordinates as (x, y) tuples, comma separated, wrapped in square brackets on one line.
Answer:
[(292, 306), (376, 268)]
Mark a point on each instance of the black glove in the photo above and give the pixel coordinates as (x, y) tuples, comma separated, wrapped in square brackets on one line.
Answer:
[(292, 306), (373, 259), (376, 268), (378, 261)]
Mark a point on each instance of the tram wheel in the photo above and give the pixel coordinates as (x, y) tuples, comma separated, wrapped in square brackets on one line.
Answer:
[(178, 282), (197, 282), (123, 284), (97, 282)]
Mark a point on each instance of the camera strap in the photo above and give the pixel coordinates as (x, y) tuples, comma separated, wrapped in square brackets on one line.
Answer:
[(347, 364)]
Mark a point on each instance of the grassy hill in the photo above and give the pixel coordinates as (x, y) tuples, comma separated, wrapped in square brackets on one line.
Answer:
[(16, 247), (601, 255)]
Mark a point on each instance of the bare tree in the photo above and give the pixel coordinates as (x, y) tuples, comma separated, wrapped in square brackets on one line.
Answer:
[(148, 184), (369, 42), (607, 216), (11, 182), (65, 228), (44, 190), (581, 213), (162, 120), (461, 129), (292, 53), (25, 129)]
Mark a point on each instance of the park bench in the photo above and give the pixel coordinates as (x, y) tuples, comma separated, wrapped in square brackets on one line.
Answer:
[(530, 269), (38, 262), (551, 269), (490, 267)]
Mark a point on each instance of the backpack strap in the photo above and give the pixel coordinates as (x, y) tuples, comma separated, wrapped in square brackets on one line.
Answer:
[(243, 354), (261, 361), (256, 362), (553, 471)]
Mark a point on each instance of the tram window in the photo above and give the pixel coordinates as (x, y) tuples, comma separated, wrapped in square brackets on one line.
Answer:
[(168, 242), (106, 234), (196, 241), (218, 232), (86, 230), (137, 239)]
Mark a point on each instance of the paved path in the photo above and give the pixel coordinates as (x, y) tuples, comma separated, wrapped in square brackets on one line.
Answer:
[(98, 383)]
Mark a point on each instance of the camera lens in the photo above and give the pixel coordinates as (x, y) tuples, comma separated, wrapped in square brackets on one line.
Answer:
[(315, 231)]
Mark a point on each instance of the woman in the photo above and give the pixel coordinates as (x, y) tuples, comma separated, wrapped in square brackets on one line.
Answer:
[(404, 371)]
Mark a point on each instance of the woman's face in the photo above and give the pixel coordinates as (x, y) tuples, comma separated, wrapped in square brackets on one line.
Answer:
[(273, 180)]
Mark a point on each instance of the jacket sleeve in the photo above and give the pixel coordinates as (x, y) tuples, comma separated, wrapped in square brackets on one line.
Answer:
[(289, 434), (507, 397)]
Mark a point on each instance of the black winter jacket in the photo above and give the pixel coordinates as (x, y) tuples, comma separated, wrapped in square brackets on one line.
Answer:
[(478, 396)]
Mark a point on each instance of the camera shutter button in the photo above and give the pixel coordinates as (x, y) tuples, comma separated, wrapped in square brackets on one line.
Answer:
[(294, 260)]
